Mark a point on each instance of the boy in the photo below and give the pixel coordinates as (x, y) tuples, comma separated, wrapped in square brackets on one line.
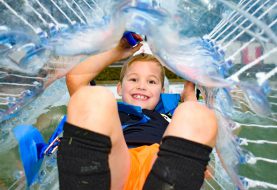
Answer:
[(94, 152)]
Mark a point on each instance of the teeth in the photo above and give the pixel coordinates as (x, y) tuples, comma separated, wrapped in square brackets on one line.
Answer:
[(140, 97)]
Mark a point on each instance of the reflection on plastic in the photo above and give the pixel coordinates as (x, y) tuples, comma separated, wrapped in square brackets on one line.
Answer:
[(57, 36)]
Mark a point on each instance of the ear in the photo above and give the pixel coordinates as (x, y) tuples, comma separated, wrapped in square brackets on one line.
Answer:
[(163, 89), (119, 89)]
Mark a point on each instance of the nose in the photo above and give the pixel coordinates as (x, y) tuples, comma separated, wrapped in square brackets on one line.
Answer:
[(141, 85)]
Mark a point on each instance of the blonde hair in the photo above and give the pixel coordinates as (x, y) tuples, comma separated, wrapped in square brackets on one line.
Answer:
[(142, 57)]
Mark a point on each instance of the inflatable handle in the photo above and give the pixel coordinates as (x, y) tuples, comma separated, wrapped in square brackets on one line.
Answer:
[(131, 38)]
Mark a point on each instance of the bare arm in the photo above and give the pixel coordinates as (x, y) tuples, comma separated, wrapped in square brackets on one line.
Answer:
[(87, 70), (188, 93)]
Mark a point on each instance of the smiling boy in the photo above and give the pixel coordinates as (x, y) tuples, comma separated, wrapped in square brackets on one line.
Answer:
[(94, 151), (141, 81)]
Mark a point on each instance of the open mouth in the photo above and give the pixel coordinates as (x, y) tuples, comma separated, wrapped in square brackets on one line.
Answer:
[(140, 97)]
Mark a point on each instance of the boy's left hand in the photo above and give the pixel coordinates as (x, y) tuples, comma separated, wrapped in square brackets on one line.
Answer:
[(188, 93)]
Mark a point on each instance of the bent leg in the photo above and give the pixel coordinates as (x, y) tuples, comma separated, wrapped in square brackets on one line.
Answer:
[(184, 152), (194, 122), (93, 136)]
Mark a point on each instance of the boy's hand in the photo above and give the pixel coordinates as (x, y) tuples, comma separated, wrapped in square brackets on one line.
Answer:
[(188, 93), (125, 50)]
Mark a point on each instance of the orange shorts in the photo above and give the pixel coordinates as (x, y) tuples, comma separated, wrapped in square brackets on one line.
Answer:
[(141, 163)]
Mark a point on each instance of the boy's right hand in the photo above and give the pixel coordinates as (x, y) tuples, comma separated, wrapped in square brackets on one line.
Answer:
[(125, 50)]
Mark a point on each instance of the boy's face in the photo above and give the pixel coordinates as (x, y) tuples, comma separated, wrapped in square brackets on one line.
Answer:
[(141, 85)]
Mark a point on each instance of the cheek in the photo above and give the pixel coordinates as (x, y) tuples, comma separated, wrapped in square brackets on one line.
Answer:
[(157, 93), (124, 91)]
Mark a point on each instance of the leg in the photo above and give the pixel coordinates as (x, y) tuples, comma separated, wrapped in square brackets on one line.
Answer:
[(94, 111), (184, 152), (194, 122)]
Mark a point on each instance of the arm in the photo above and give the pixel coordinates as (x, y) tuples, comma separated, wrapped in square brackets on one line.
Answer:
[(87, 70), (188, 93)]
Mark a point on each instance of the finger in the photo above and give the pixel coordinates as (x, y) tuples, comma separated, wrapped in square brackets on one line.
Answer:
[(137, 47), (125, 43), (137, 37)]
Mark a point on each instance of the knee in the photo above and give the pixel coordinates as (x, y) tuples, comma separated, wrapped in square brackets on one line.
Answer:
[(90, 99), (195, 122)]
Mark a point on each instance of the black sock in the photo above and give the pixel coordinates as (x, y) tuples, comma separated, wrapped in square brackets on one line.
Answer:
[(83, 160), (180, 165)]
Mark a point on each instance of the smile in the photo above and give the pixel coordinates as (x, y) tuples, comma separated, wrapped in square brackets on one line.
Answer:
[(140, 97)]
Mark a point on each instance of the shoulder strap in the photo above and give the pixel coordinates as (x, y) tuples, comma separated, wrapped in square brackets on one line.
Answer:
[(168, 103), (134, 110)]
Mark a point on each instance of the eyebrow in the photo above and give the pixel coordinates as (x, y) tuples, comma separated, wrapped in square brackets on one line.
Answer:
[(152, 75)]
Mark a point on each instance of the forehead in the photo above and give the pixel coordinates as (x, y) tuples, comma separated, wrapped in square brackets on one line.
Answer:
[(144, 66)]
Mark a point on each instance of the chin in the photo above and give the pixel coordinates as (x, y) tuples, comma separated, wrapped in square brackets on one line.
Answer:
[(146, 107), (143, 105)]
